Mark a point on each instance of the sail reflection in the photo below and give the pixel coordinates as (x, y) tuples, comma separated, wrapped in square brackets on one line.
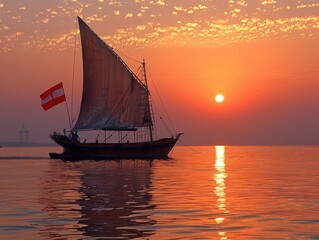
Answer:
[(105, 199), (220, 186)]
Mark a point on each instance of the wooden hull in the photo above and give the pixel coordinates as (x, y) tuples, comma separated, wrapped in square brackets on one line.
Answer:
[(145, 150)]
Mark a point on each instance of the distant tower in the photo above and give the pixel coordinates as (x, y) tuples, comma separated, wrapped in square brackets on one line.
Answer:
[(23, 134)]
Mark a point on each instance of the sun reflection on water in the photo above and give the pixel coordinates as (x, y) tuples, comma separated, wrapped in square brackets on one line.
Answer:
[(220, 187)]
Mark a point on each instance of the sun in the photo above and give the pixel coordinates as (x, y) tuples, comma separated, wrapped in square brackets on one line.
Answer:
[(219, 98)]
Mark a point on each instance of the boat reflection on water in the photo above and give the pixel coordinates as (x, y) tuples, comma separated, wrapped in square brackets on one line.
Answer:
[(220, 186), (98, 199), (117, 199)]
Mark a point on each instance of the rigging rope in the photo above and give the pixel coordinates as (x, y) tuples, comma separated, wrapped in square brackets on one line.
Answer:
[(123, 54), (73, 76), (164, 123), (189, 147), (159, 96), (169, 119), (106, 139)]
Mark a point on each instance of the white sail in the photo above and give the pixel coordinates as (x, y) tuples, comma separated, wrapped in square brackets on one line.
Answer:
[(113, 97)]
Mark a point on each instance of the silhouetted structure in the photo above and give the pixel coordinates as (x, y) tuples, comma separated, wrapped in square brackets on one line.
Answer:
[(23, 134)]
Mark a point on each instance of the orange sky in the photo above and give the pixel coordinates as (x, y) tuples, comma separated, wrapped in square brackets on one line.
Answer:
[(262, 55)]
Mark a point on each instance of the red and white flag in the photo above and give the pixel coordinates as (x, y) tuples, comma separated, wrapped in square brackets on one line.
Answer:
[(52, 96)]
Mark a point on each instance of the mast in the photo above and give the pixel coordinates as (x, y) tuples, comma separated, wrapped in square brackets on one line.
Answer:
[(150, 127)]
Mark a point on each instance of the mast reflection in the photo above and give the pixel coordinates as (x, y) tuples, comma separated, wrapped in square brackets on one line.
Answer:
[(117, 202), (220, 186), (112, 199)]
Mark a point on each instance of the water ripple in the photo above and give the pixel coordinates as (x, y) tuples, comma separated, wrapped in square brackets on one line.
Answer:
[(213, 193)]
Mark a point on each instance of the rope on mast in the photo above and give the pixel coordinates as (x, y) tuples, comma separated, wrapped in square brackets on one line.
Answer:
[(73, 75), (160, 98), (164, 123)]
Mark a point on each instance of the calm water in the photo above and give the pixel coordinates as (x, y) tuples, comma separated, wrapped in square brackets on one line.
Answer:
[(203, 193)]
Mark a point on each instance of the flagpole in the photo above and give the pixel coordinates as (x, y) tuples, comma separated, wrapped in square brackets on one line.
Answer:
[(53, 96), (67, 109)]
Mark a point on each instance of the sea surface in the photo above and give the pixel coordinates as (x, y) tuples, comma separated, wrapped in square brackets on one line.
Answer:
[(208, 192)]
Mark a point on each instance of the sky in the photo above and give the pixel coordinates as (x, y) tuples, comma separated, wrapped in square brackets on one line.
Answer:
[(262, 55)]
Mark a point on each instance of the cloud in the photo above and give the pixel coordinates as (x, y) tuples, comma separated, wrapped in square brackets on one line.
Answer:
[(264, 2), (173, 23), (46, 20), (129, 15)]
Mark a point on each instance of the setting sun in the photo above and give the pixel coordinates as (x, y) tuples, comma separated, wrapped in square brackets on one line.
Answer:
[(219, 98)]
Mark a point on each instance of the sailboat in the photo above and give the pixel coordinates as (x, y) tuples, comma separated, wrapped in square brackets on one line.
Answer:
[(113, 99)]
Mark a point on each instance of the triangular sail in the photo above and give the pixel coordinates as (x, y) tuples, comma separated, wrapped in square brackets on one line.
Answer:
[(113, 97)]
